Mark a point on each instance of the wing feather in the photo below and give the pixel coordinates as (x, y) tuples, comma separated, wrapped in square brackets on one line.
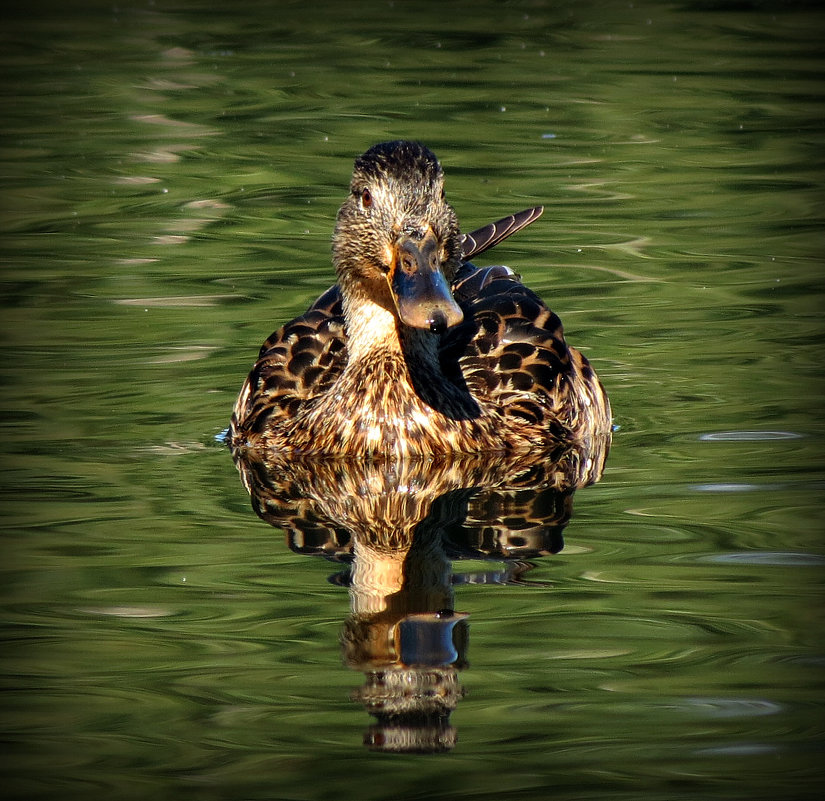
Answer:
[(489, 236), (510, 349), (297, 363)]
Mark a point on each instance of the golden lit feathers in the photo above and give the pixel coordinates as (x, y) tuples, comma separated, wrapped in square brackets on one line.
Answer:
[(415, 351)]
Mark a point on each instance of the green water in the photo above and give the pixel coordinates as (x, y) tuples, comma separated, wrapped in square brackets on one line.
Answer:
[(171, 173)]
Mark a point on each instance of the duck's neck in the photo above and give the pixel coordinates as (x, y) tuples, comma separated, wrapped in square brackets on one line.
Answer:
[(376, 342), (374, 333), (370, 328)]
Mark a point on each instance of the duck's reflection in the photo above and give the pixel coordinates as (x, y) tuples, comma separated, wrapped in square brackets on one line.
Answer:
[(399, 525)]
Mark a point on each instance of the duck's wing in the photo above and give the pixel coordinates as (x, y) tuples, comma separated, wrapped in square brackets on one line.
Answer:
[(510, 350), (490, 235), (298, 362), (330, 302)]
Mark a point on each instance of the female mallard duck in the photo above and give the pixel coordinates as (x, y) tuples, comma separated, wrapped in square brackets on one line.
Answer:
[(415, 351)]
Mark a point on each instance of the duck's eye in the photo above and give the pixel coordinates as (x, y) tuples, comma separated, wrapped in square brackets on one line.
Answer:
[(366, 199)]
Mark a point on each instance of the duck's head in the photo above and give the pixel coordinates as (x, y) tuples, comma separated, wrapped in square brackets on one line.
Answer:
[(397, 242)]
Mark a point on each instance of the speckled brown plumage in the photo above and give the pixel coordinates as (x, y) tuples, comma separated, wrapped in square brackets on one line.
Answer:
[(499, 506), (415, 351)]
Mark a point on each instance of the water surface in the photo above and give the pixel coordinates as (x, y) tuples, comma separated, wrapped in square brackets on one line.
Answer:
[(171, 173)]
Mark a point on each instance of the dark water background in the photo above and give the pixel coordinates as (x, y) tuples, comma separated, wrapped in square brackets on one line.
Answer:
[(171, 172)]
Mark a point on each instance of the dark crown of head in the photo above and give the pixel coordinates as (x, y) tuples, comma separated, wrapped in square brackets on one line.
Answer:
[(399, 159)]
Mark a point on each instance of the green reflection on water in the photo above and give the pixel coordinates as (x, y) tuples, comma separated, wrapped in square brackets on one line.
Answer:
[(171, 177)]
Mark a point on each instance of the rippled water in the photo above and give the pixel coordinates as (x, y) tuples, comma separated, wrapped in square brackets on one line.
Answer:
[(171, 174)]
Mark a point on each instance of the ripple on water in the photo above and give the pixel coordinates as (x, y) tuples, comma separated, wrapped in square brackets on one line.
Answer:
[(729, 486), (748, 436), (732, 707), (128, 611), (697, 707), (739, 749), (768, 558)]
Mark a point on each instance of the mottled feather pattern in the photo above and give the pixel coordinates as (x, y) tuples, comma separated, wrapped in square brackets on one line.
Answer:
[(510, 350), (503, 508), (307, 355), (297, 363), (415, 351)]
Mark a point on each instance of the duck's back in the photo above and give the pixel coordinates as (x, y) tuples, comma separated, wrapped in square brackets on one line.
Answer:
[(511, 351)]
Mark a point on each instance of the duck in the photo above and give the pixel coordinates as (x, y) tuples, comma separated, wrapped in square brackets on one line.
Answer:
[(415, 351)]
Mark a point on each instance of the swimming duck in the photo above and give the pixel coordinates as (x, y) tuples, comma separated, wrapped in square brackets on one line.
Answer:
[(415, 351)]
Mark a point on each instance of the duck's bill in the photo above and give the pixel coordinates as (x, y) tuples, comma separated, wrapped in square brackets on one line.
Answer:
[(422, 294)]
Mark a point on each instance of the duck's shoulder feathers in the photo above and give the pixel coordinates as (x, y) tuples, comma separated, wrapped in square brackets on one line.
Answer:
[(298, 362), (510, 349)]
